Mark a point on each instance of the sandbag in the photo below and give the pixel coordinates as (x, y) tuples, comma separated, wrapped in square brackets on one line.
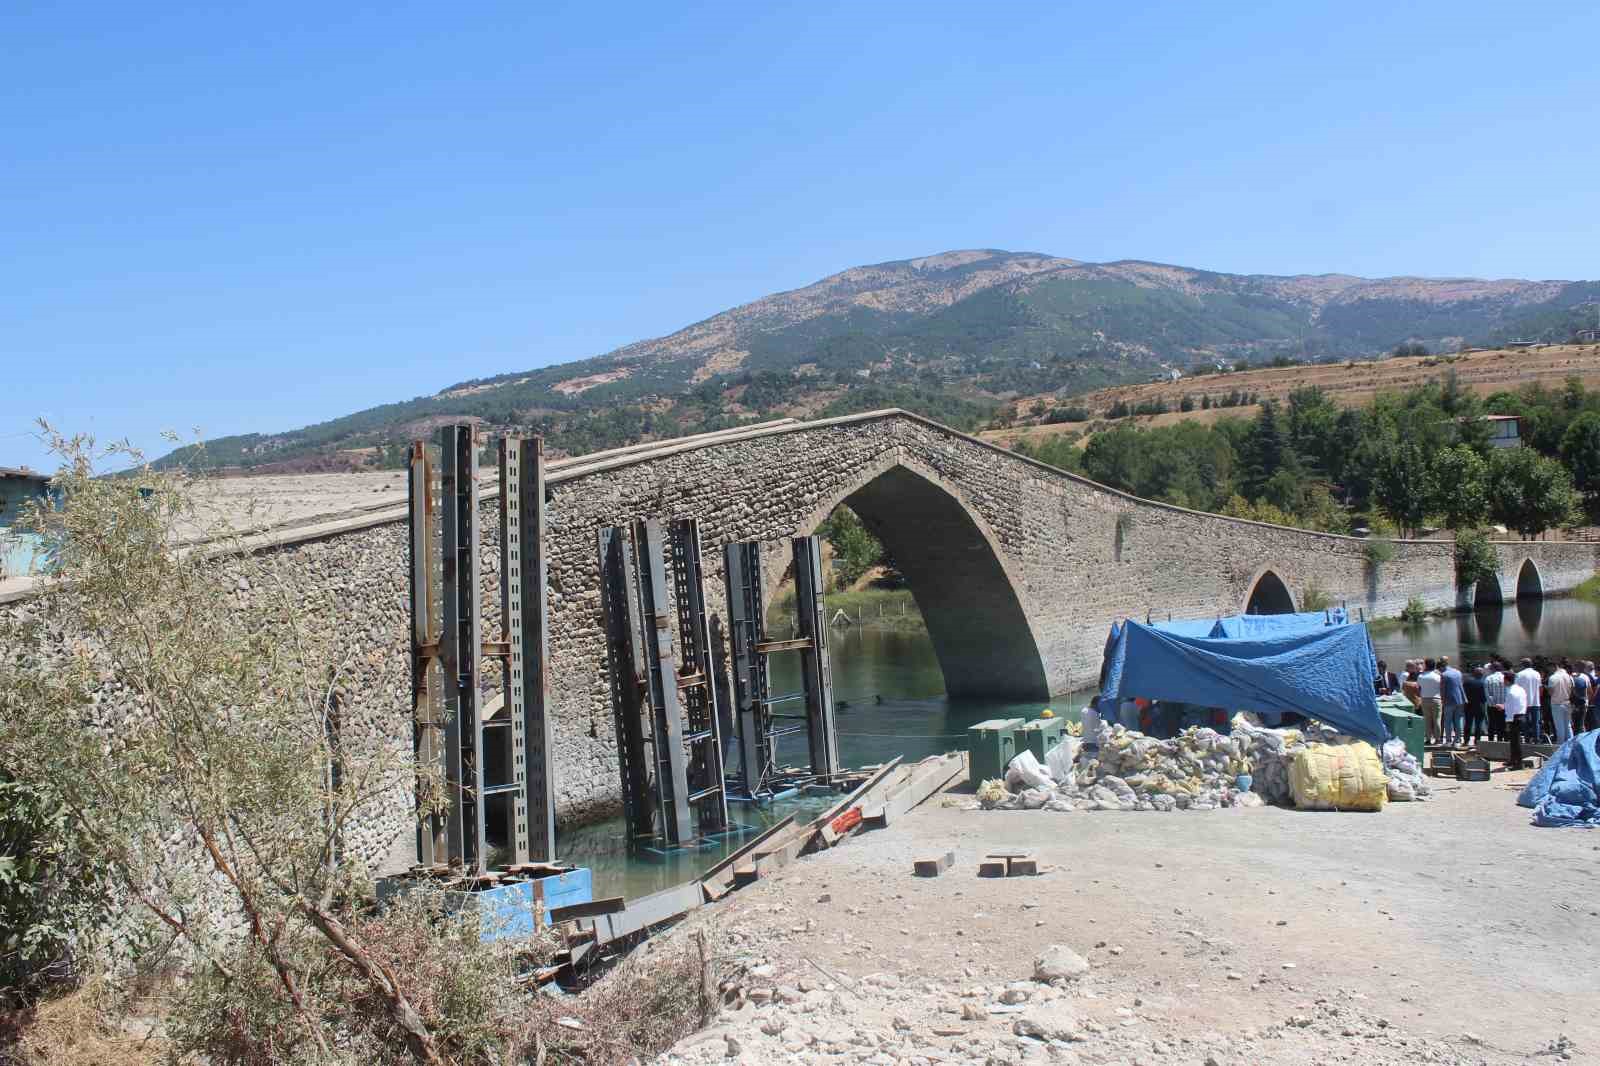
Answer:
[(1059, 759), (1339, 777), (1025, 772)]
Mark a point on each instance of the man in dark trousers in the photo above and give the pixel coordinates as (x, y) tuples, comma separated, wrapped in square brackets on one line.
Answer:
[(1477, 700)]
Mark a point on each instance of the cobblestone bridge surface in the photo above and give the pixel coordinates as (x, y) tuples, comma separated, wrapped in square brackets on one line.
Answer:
[(1019, 568)]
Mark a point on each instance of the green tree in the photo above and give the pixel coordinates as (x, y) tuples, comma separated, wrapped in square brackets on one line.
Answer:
[(855, 551), (1461, 486), (1580, 450), (1529, 493), (1404, 486)]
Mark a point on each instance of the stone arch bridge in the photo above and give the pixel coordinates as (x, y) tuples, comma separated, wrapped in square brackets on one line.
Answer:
[(1018, 568)]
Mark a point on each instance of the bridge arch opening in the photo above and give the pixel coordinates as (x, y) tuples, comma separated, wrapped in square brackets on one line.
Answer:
[(1269, 595), (1530, 585), (975, 618), (1487, 593)]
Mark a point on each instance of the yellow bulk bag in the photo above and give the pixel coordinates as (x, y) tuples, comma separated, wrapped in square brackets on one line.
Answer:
[(1338, 777)]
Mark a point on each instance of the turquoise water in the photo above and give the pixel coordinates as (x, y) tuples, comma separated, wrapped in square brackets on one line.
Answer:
[(895, 705), (913, 719)]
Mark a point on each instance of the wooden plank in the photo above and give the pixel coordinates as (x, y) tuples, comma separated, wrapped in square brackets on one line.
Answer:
[(750, 846), (644, 912), (934, 867), (587, 910), (849, 801), (921, 784)]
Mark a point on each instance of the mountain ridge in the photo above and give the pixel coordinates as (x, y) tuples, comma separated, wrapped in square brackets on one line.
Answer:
[(951, 334)]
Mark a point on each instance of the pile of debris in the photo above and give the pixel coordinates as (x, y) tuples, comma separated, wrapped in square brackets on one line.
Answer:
[(1200, 769)]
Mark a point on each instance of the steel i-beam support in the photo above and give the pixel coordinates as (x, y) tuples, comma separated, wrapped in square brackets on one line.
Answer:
[(629, 689), (815, 670), (525, 615), (427, 701), (751, 691), (462, 644), (707, 791), (661, 674)]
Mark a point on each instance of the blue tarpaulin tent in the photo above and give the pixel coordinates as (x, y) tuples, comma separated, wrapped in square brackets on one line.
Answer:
[(1566, 790), (1253, 625), (1264, 625), (1324, 672)]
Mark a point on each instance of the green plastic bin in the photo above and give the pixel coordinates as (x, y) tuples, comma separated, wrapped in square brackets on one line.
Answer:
[(1040, 735), (991, 746), (1407, 725)]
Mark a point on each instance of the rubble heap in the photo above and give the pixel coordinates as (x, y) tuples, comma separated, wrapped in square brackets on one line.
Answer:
[(1200, 769)]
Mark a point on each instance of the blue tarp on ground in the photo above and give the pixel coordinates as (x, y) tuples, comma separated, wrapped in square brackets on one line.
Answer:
[(1566, 790), (1325, 672)]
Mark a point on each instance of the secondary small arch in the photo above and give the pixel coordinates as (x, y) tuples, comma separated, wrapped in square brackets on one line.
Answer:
[(1530, 583), (1269, 594)]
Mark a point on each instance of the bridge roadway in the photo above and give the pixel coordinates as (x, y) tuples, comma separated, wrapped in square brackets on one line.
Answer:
[(1018, 568)]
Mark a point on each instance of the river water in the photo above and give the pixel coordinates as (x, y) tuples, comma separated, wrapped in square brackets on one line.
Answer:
[(894, 704)]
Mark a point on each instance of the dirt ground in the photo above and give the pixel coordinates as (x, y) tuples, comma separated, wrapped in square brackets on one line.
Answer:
[(1446, 931)]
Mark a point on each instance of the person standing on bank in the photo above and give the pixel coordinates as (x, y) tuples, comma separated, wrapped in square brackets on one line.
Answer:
[(1559, 685), (1454, 698), (1581, 691), (1429, 688), (1528, 680), (1477, 701), (1494, 698), (1516, 710)]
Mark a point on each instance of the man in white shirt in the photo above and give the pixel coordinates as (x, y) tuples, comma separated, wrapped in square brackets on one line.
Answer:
[(1429, 686), (1560, 687), (1528, 680), (1516, 710)]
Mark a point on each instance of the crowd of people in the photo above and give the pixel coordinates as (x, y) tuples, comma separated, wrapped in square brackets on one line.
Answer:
[(1491, 701)]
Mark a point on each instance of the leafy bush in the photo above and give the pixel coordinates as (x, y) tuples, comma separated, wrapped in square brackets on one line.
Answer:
[(1415, 612), (1475, 558), (53, 895), (1378, 552)]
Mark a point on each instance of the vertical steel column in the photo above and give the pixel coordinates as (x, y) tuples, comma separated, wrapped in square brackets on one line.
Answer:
[(426, 701), (672, 770), (697, 686), (461, 645), (814, 666), (618, 593), (742, 565), (526, 632)]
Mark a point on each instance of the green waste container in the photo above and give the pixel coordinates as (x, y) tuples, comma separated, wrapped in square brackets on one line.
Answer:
[(991, 746), (1040, 735), (1405, 724)]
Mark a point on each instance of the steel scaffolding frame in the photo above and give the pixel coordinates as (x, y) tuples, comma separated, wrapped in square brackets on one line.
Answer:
[(451, 735), (668, 730), (758, 774)]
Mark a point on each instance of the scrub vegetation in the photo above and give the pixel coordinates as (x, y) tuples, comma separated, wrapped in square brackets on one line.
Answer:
[(189, 830), (1403, 463)]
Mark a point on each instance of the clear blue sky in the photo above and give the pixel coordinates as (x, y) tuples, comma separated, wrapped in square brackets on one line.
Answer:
[(249, 217)]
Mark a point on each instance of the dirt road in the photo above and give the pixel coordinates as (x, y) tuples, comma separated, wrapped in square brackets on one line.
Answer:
[(1449, 931)]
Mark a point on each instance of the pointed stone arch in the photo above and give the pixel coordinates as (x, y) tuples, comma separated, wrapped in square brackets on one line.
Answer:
[(1530, 583), (972, 603), (1487, 593), (1268, 594)]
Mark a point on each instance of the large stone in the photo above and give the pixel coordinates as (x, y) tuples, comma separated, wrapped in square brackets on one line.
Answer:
[(1047, 1021), (1059, 962)]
